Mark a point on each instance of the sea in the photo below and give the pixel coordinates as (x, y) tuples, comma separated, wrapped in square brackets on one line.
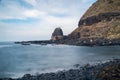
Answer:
[(17, 60)]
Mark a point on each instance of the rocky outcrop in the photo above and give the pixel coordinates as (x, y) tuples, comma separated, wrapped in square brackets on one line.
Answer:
[(100, 22), (101, 17), (57, 34)]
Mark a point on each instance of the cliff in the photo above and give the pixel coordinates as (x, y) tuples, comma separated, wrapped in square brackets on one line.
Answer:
[(100, 22)]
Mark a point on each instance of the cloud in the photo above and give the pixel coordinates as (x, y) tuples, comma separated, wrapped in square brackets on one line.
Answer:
[(30, 18), (84, 1), (33, 13), (32, 2)]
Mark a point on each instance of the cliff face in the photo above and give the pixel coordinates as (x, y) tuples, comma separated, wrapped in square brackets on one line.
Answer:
[(101, 21)]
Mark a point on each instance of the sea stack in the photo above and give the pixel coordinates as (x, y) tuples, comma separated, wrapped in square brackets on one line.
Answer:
[(57, 34)]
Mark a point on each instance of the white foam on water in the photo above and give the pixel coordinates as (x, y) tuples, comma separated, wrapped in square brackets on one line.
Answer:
[(4, 46), (50, 45)]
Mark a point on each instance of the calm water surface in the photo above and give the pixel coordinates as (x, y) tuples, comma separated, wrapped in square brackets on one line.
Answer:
[(17, 60)]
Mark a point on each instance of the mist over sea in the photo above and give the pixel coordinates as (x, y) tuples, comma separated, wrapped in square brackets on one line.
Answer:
[(17, 60)]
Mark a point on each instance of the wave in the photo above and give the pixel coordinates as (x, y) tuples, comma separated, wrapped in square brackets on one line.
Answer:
[(52, 45), (4, 46)]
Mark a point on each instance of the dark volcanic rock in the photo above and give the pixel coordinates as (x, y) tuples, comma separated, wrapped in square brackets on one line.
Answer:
[(101, 17), (57, 34), (106, 71)]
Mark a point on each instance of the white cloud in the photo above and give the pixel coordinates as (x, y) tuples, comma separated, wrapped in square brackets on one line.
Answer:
[(32, 13), (58, 20), (48, 13)]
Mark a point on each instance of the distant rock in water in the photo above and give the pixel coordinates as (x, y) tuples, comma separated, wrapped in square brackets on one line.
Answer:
[(57, 34)]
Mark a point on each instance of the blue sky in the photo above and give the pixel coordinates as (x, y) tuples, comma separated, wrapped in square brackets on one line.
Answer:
[(36, 19)]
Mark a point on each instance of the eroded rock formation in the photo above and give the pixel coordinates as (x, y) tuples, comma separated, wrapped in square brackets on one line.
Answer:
[(57, 34)]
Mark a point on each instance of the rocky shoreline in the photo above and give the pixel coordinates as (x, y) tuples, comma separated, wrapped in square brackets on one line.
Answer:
[(77, 42), (103, 71)]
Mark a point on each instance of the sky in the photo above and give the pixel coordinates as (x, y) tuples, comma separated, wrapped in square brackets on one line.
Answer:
[(22, 20)]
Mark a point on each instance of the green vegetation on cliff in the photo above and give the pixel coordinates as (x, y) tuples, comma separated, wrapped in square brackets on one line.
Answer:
[(101, 20), (114, 30), (103, 6)]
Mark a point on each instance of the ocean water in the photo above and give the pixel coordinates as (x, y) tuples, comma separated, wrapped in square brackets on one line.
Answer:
[(17, 60)]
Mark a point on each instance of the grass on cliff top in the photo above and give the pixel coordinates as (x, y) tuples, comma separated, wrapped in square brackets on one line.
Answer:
[(103, 6), (114, 30)]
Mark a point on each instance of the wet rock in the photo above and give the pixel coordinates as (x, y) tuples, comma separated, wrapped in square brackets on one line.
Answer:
[(105, 71)]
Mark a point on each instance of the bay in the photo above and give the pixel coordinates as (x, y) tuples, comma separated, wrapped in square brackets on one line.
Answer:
[(17, 60)]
